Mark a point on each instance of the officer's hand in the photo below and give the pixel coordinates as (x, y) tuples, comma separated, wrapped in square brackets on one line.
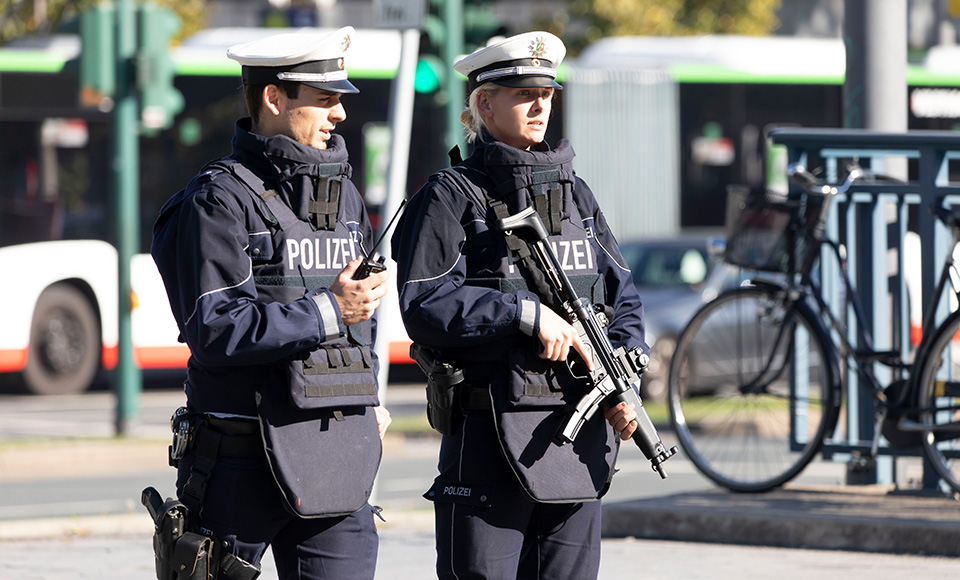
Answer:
[(557, 336), (383, 419), (358, 299), (622, 417)]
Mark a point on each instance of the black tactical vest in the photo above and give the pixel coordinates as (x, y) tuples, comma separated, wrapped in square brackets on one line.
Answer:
[(320, 432), (531, 396)]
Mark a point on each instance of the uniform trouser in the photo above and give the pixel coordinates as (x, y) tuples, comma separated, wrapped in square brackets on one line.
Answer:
[(513, 537), (243, 507)]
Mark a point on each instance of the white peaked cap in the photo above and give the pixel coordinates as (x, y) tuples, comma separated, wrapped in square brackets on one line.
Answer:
[(313, 59), (525, 60)]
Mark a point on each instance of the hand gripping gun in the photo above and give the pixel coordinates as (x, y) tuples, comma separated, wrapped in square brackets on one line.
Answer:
[(615, 371)]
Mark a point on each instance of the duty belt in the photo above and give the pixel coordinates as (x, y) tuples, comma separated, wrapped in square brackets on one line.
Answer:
[(474, 398), (241, 438), (236, 437)]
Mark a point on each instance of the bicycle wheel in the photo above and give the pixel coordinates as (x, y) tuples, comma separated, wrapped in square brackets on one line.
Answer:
[(939, 401), (750, 389)]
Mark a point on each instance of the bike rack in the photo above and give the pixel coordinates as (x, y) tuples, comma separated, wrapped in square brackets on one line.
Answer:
[(875, 217)]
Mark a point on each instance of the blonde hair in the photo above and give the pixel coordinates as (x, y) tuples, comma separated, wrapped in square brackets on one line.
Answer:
[(471, 117)]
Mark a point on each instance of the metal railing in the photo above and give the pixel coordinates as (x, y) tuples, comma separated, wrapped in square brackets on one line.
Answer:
[(872, 221)]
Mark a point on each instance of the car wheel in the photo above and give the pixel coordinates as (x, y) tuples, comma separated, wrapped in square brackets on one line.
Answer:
[(653, 386), (64, 351)]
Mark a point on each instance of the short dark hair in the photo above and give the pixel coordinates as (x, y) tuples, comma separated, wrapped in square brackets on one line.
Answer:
[(253, 96)]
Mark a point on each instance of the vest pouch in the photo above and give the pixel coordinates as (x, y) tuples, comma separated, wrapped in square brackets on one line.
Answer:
[(533, 382), (323, 460), (332, 377), (548, 472)]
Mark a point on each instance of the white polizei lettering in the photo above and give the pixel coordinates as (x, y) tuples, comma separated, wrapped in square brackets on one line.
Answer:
[(578, 254), (454, 490), (353, 246), (320, 258), (589, 257), (306, 254), (293, 252), (344, 251), (331, 262), (336, 253), (565, 246)]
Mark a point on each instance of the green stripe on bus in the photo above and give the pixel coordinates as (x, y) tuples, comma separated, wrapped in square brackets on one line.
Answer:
[(711, 73), (30, 61)]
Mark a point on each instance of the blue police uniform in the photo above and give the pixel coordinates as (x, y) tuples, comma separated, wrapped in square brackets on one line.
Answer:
[(247, 252), (508, 502)]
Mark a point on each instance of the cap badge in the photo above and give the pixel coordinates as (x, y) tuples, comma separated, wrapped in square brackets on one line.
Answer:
[(345, 43), (535, 62), (538, 47), (340, 63)]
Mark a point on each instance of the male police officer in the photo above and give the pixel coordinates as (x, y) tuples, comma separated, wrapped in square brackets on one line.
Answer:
[(258, 255), (509, 502)]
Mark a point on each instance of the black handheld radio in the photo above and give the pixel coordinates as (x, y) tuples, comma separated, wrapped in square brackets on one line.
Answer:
[(374, 263)]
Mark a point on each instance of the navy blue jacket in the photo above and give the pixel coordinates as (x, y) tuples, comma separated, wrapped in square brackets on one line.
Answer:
[(212, 241)]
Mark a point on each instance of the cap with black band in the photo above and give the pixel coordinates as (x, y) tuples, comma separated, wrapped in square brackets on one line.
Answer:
[(525, 60), (316, 60)]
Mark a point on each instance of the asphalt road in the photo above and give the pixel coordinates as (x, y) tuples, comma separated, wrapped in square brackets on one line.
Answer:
[(55, 452), (60, 485)]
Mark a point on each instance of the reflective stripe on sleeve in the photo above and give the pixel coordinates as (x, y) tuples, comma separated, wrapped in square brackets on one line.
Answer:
[(528, 316), (328, 316)]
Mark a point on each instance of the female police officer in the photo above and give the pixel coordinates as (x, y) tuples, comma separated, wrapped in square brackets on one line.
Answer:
[(258, 255), (510, 503)]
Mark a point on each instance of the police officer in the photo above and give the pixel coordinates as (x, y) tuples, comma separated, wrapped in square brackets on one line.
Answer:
[(258, 255), (509, 503)]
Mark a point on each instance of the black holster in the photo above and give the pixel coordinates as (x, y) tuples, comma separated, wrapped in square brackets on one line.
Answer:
[(443, 378), (182, 555)]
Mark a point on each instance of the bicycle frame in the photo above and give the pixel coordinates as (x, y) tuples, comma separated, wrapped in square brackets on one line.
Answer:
[(864, 357)]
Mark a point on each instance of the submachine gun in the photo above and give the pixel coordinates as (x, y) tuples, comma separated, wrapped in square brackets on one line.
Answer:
[(615, 371)]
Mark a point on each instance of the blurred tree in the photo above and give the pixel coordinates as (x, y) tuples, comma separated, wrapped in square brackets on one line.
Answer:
[(590, 20), (29, 17)]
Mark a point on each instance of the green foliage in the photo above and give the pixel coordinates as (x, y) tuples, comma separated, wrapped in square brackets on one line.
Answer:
[(20, 18), (590, 20)]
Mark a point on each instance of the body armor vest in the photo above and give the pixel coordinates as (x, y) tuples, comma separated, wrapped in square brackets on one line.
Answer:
[(320, 432), (530, 395)]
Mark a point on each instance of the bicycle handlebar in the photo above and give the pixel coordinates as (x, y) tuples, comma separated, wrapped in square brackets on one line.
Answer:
[(808, 181)]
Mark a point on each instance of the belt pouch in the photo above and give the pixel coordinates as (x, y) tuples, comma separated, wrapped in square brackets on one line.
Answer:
[(192, 556)]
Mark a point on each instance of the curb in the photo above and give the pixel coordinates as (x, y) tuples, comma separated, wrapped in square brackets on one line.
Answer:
[(861, 520)]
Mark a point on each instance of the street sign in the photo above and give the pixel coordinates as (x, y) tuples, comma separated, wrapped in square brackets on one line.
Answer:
[(399, 14)]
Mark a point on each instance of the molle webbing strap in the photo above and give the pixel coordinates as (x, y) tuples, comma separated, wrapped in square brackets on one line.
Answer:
[(544, 187), (326, 202), (309, 283), (339, 361), (325, 211)]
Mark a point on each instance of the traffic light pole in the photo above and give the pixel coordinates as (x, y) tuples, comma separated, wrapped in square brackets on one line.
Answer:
[(453, 84), (128, 381)]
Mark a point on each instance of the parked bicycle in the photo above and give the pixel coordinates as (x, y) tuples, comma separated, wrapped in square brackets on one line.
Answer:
[(758, 375)]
